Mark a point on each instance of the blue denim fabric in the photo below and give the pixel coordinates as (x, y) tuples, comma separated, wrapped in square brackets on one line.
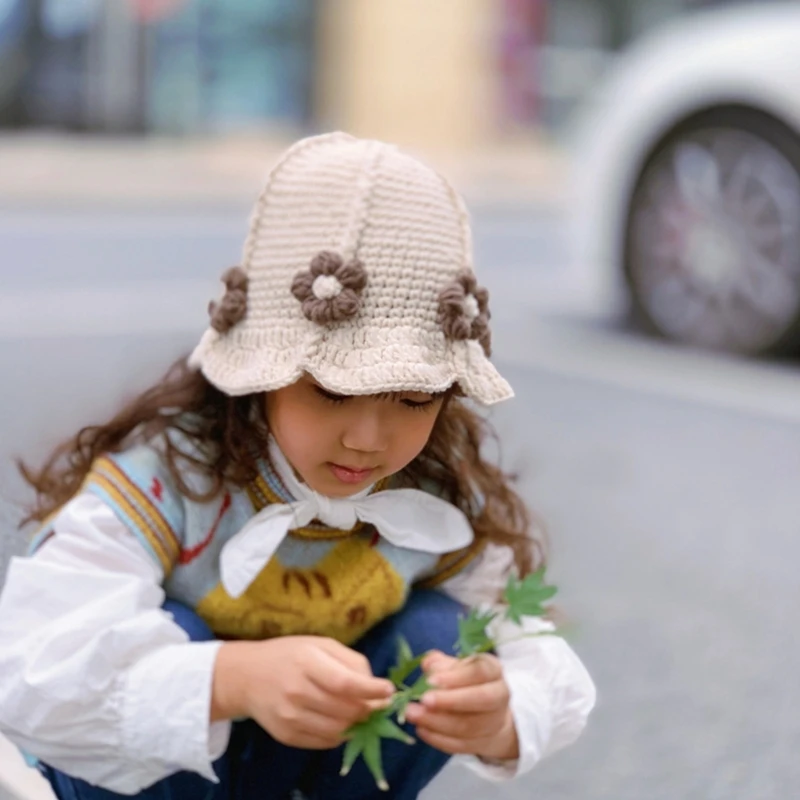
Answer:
[(256, 767)]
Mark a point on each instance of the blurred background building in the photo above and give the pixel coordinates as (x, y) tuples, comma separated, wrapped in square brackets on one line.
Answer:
[(214, 66)]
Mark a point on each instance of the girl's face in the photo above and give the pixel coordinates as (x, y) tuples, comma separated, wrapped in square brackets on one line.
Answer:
[(338, 444)]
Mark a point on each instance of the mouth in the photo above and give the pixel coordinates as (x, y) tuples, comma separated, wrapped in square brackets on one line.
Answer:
[(351, 474)]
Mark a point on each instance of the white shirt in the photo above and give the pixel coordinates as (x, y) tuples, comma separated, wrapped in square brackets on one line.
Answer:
[(100, 683)]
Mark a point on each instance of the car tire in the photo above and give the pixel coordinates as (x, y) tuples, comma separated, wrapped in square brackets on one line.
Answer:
[(712, 235)]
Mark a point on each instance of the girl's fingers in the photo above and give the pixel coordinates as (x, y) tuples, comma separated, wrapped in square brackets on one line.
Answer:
[(448, 744), (333, 677), (468, 700), (311, 697), (347, 711), (458, 726), (313, 725), (437, 661), (468, 672)]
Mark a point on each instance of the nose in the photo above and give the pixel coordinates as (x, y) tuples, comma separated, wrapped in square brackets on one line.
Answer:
[(365, 431)]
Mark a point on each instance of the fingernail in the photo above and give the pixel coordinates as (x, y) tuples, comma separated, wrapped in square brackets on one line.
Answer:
[(413, 713), (433, 681), (429, 699)]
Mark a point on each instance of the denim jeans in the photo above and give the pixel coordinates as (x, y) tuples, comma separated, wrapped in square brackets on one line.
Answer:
[(256, 767)]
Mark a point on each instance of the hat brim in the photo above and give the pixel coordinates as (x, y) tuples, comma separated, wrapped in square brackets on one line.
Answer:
[(239, 368)]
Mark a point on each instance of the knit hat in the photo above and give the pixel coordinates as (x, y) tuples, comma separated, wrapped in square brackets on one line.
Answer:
[(357, 269)]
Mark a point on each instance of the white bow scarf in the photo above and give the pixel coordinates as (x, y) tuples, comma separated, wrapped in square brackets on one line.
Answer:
[(407, 518)]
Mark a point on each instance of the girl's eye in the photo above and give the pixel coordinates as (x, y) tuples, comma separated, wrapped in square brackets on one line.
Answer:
[(418, 405), (330, 396)]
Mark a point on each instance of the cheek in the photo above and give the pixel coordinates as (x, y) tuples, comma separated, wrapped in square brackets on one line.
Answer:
[(411, 434), (296, 430)]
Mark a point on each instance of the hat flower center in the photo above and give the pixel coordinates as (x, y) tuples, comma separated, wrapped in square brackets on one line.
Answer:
[(326, 287), (471, 308)]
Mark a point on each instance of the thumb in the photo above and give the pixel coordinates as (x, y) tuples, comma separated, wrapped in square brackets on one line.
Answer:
[(436, 661)]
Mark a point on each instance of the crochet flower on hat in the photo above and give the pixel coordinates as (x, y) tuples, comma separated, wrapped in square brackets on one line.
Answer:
[(464, 310), (330, 290), (233, 306)]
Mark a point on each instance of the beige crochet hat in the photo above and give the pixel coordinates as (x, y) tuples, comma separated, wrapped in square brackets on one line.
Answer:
[(357, 269)]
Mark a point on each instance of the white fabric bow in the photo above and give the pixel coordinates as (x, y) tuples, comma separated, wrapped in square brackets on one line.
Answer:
[(407, 518)]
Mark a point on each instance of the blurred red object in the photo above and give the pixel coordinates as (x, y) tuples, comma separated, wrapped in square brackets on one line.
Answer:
[(522, 34), (154, 10)]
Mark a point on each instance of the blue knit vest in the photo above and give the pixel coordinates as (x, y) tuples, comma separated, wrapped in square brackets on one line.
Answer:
[(320, 581)]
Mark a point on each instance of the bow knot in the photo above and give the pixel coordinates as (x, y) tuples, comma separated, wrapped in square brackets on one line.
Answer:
[(337, 514), (403, 517)]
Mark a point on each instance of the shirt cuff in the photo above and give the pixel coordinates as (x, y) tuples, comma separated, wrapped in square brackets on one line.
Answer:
[(491, 770), (166, 708)]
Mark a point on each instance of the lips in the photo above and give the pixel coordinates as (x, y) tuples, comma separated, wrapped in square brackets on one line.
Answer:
[(351, 474)]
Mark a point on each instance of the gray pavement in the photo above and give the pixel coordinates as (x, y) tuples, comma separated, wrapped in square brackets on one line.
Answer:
[(667, 481), (674, 539)]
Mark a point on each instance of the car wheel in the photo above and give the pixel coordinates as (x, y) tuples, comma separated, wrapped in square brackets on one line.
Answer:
[(712, 237)]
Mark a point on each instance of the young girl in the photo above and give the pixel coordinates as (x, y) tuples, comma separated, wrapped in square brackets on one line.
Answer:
[(224, 568)]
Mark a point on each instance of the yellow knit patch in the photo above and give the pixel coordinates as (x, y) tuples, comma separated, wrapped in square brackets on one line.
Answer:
[(342, 596)]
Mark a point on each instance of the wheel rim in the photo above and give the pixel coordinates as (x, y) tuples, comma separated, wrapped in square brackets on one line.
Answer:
[(715, 241)]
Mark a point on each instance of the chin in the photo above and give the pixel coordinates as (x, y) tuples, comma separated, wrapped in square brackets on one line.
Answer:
[(330, 487), (340, 492)]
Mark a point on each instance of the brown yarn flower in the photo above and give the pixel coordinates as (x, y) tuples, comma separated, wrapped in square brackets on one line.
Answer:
[(231, 309), (330, 290), (464, 311)]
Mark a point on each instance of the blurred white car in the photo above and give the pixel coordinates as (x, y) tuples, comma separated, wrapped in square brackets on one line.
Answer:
[(685, 197)]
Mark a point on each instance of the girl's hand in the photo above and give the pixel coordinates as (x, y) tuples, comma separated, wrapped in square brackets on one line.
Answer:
[(304, 690), (467, 711)]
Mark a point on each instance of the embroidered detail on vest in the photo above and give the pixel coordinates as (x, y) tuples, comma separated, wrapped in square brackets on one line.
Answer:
[(304, 581), (137, 508), (188, 555)]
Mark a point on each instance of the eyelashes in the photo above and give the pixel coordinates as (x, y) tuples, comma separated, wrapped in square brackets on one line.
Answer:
[(338, 399), (416, 405), (335, 399)]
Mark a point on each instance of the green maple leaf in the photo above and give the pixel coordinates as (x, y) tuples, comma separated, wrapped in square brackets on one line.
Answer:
[(472, 635), (407, 695), (364, 739), (419, 688), (406, 663), (525, 597)]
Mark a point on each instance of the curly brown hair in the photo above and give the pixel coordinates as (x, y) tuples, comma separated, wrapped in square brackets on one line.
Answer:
[(226, 434)]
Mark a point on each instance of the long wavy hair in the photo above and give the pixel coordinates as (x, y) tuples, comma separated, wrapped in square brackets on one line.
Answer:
[(226, 434)]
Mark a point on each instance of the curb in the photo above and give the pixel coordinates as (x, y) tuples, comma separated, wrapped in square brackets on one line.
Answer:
[(55, 172)]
